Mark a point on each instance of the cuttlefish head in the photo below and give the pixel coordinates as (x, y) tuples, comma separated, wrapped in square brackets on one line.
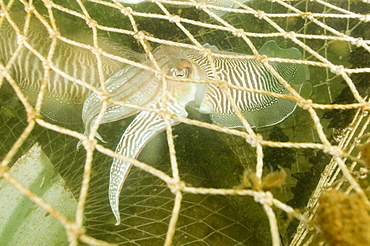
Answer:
[(177, 80), (144, 86), (182, 85)]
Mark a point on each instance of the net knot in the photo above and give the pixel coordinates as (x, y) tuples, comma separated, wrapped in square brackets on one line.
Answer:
[(174, 19), (260, 14), (91, 23), (262, 58), (333, 151), (89, 144), (33, 116), (206, 52), (176, 186), (201, 6), (358, 42), (307, 15), (338, 70), (103, 96), (289, 35), (3, 71), (365, 18), (160, 74), (126, 11), (253, 140), (265, 198), (46, 65), (305, 104), (140, 36), (21, 39), (223, 85), (164, 114), (31, 8), (53, 33), (96, 51), (238, 32), (74, 231), (366, 107)]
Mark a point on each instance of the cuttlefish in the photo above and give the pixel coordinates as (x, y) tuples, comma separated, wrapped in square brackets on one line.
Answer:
[(63, 98), (144, 87)]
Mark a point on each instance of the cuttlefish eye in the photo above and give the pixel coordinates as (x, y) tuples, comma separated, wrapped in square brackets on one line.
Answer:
[(180, 73), (180, 69)]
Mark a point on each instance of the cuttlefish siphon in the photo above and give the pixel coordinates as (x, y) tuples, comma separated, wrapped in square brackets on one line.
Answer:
[(143, 87), (63, 98)]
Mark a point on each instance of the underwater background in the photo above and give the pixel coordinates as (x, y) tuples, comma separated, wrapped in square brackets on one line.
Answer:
[(206, 158)]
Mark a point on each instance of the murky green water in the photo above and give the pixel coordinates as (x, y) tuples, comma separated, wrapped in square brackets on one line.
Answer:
[(206, 158)]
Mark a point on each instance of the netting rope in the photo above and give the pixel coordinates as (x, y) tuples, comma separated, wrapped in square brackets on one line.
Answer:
[(191, 194)]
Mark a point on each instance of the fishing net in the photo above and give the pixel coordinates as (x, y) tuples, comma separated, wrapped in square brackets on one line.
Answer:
[(196, 183)]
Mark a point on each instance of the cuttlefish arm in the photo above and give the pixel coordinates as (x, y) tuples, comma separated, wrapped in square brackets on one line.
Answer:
[(132, 85), (141, 130), (148, 124)]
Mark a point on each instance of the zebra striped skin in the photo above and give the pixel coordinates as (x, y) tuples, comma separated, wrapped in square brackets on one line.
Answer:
[(63, 98), (258, 109), (131, 85), (141, 86)]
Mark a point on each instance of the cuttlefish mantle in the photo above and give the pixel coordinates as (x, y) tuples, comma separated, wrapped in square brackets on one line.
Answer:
[(258, 109), (63, 98), (142, 87)]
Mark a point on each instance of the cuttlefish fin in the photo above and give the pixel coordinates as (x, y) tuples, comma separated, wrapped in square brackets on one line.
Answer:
[(213, 48), (143, 128), (297, 75)]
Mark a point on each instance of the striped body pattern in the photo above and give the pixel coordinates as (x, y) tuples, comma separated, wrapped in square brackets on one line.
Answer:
[(63, 98), (246, 74), (142, 86), (128, 85), (180, 70), (260, 110)]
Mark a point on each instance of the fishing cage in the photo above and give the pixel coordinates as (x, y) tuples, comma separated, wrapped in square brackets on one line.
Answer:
[(303, 181)]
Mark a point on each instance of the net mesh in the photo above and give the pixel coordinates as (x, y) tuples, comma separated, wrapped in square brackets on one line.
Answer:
[(197, 183)]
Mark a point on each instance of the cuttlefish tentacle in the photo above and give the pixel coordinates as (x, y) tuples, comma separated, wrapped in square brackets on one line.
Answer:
[(148, 124), (138, 88), (143, 128), (142, 87)]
